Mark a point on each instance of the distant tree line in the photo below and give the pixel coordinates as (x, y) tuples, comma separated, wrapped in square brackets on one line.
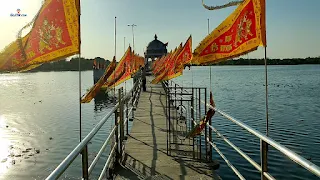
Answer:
[(287, 61), (87, 64), (72, 65)]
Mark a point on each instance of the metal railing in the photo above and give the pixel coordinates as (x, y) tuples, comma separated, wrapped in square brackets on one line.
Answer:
[(116, 134), (265, 141)]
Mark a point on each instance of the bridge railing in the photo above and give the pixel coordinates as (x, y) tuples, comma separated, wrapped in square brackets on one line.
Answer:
[(265, 141), (123, 112)]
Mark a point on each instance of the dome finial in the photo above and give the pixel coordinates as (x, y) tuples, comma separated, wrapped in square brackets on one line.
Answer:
[(155, 37)]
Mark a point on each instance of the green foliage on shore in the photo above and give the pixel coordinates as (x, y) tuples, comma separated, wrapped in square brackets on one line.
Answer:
[(287, 61), (72, 65), (87, 64)]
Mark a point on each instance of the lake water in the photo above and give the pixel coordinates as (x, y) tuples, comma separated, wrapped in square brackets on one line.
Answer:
[(40, 111)]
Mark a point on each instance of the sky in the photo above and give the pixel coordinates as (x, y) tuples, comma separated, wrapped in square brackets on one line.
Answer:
[(292, 26)]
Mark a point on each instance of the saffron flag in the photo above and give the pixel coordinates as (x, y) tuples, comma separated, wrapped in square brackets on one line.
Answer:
[(242, 32), (161, 66), (199, 127), (123, 70), (138, 62), (185, 55), (96, 88), (55, 34), (171, 68), (162, 70), (159, 78), (12, 54), (133, 62), (167, 71)]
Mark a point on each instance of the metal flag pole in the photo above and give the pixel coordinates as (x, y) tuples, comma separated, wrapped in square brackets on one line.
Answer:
[(115, 55), (192, 77), (266, 82), (210, 65), (79, 57), (132, 28), (84, 153), (125, 83), (263, 144)]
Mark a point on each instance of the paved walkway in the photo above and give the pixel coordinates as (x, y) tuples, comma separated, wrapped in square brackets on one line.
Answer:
[(145, 150)]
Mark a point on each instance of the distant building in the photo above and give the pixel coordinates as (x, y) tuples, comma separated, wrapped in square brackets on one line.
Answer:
[(155, 49), (99, 66)]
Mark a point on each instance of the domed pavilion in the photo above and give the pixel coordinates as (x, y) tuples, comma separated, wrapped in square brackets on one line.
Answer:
[(155, 49)]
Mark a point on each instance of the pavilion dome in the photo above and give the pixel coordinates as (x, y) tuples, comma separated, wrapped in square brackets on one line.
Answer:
[(156, 44), (156, 47)]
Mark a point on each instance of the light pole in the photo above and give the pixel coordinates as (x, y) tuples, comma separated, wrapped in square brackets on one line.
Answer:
[(132, 26), (124, 44)]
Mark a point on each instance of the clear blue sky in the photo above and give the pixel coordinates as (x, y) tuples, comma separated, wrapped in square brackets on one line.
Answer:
[(293, 26)]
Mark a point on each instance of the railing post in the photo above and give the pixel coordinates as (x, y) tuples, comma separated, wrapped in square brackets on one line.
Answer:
[(264, 158), (121, 109), (127, 117), (199, 105), (169, 119), (175, 126), (132, 100), (116, 134), (206, 127), (167, 128), (210, 139), (192, 119), (85, 167)]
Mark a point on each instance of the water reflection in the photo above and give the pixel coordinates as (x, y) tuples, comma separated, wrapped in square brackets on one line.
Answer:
[(102, 102), (5, 158)]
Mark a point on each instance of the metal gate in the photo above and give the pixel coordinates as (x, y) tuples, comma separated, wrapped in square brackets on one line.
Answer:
[(184, 110)]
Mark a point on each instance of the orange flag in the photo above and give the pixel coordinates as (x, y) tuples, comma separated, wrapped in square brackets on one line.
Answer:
[(55, 34), (171, 68), (242, 32), (138, 61), (202, 124), (159, 78), (167, 71), (185, 55), (123, 70), (160, 71), (96, 88), (161, 66)]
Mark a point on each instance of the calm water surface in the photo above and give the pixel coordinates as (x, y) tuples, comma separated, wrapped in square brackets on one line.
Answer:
[(40, 111)]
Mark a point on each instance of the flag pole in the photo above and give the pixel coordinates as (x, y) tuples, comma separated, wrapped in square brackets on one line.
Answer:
[(210, 65), (263, 144), (266, 82), (264, 39), (125, 82), (115, 55), (80, 119)]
